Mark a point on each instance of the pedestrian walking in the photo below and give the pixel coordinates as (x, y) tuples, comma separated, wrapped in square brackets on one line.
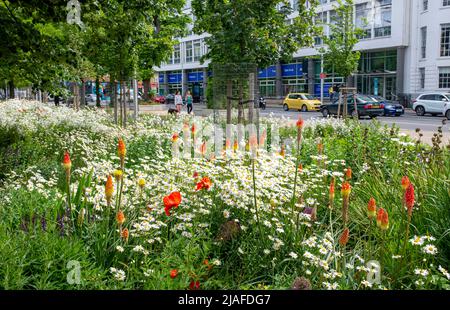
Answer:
[(178, 101), (189, 102), (331, 93)]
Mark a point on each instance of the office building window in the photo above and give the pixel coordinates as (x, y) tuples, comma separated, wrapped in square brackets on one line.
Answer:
[(423, 40), (445, 40), (363, 12), (189, 55), (446, 2), (425, 5), (382, 18), (422, 77), (176, 54), (444, 77), (320, 20), (197, 50)]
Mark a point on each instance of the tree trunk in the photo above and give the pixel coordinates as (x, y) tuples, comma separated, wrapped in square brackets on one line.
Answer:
[(83, 94), (124, 105), (97, 91), (146, 89), (114, 100), (44, 97), (241, 104), (11, 89), (76, 96), (229, 94), (251, 105)]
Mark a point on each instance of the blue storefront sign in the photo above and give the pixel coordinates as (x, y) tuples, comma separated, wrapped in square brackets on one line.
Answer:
[(194, 77), (288, 70), (266, 73), (175, 78), (326, 87), (161, 78)]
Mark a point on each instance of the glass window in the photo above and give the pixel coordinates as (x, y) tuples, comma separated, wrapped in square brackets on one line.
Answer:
[(197, 50), (445, 40), (363, 12), (422, 77), (176, 54), (423, 45), (425, 5), (444, 77), (446, 2), (189, 51), (382, 18)]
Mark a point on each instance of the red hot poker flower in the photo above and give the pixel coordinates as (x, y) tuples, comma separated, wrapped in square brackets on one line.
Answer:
[(171, 201), (344, 237), (121, 149), (380, 215), (109, 188), (384, 221), (371, 208), (175, 137), (348, 173), (405, 182), (67, 163), (409, 198), (346, 189), (300, 122), (332, 190)]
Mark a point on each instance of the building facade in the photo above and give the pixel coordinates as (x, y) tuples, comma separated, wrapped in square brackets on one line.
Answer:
[(405, 50)]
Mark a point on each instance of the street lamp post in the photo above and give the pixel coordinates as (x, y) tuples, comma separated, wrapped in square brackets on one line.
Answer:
[(321, 78)]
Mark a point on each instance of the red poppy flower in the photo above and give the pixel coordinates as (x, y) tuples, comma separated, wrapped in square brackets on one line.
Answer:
[(171, 201), (173, 273), (205, 183), (195, 285)]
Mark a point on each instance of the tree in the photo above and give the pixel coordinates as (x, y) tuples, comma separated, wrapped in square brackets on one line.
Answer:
[(339, 54), (253, 32)]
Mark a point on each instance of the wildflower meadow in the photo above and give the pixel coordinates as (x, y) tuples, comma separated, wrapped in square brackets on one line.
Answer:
[(86, 204)]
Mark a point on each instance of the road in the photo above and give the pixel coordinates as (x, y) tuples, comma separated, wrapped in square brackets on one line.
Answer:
[(407, 122)]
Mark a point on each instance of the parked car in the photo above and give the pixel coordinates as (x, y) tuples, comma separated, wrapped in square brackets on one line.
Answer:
[(446, 111), (302, 102), (91, 98), (159, 99), (432, 103), (365, 105), (391, 108)]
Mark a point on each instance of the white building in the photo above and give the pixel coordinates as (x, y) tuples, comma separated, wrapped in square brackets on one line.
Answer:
[(405, 51)]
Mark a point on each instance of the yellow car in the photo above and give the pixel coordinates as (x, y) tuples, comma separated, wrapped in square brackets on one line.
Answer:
[(301, 101)]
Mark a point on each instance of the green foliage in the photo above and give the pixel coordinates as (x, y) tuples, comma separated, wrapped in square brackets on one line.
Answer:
[(339, 55)]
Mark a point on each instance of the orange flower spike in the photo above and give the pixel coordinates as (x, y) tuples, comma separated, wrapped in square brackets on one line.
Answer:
[(203, 148), (380, 216), (409, 198), (67, 163), (320, 148), (344, 237), (346, 189), (405, 182), (282, 151), (300, 123), (331, 191), (109, 189), (194, 129), (121, 149), (227, 144), (235, 145), (253, 141), (120, 218), (384, 221), (125, 234), (175, 137), (348, 173), (300, 168), (371, 208)]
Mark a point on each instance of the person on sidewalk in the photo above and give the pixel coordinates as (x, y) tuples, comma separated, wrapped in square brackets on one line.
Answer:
[(178, 101), (189, 101), (331, 93)]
